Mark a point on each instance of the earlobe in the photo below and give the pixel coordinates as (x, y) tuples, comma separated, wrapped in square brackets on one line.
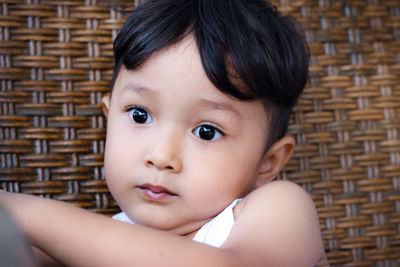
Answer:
[(105, 104), (275, 159)]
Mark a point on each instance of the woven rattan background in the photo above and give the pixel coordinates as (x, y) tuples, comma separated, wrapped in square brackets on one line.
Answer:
[(55, 65)]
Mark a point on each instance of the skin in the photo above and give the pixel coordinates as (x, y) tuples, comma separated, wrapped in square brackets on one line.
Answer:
[(275, 224), (167, 150)]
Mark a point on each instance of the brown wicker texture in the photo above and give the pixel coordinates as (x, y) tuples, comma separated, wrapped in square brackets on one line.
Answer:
[(56, 64)]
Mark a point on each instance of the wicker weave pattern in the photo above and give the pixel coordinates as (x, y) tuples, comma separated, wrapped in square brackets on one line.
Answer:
[(56, 64), (347, 127)]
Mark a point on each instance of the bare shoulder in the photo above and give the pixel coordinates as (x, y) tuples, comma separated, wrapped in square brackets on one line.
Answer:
[(279, 222), (281, 193)]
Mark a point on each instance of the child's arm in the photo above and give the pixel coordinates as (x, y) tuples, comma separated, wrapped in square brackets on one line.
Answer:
[(276, 226), (77, 237)]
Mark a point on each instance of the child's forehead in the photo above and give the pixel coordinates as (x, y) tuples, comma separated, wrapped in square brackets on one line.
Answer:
[(184, 58), (180, 66), (177, 70), (176, 64), (183, 54)]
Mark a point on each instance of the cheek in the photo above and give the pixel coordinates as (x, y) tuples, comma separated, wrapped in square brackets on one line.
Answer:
[(117, 157), (111, 167), (228, 179), (239, 172)]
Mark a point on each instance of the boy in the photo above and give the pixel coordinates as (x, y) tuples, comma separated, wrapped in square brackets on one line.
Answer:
[(201, 97)]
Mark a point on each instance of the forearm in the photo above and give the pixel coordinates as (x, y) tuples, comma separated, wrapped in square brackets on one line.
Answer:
[(76, 237)]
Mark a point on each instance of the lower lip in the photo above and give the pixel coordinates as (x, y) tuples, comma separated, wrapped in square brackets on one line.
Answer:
[(150, 195)]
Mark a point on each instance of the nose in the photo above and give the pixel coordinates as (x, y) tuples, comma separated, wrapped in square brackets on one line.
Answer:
[(164, 154)]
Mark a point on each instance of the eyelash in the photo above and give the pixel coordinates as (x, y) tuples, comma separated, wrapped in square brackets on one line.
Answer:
[(129, 109), (196, 131), (215, 129)]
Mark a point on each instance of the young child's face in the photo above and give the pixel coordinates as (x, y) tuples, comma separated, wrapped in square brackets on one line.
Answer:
[(178, 150)]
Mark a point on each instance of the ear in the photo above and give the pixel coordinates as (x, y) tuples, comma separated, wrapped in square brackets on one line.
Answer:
[(105, 104), (275, 159)]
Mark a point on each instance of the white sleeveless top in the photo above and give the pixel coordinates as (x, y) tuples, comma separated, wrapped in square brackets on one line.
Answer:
[(213, 233)]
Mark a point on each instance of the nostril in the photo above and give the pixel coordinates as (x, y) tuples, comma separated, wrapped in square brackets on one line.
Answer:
[(159, 165), (162, 161), (149, 163)]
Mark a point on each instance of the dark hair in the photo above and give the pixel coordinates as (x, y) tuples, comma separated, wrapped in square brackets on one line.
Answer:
[(238, 40)]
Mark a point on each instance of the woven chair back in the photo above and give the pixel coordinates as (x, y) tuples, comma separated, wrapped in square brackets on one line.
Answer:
[(56, 64)]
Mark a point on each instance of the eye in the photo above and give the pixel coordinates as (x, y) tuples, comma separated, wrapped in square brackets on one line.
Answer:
[(208, 132), (140, 115)]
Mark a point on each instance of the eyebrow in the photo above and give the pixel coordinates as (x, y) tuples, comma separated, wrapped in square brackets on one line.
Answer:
[(141, 90), (219, 106)]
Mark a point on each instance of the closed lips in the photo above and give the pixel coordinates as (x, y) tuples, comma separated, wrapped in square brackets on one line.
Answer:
[(155, 189)]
